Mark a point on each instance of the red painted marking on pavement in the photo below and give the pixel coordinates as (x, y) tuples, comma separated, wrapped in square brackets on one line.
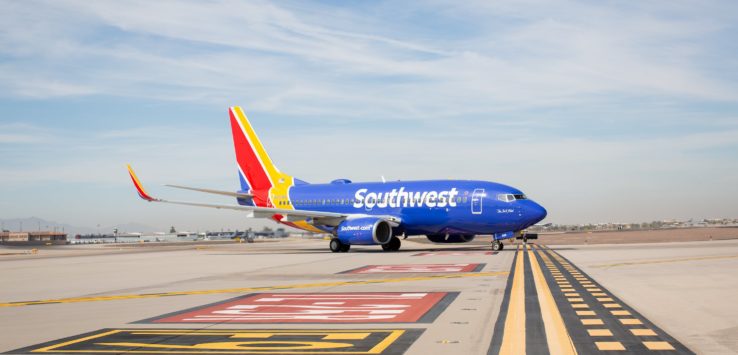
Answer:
[(350, 307), (456, 253), (426, 268)]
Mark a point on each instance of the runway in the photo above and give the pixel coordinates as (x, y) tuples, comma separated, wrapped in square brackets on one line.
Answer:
[(296, 297)]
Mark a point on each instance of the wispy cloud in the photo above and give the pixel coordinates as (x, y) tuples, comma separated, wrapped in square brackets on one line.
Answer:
[(330, 59)]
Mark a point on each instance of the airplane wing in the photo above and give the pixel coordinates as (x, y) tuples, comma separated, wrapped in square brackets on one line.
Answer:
[(211, 191), (315, 217)]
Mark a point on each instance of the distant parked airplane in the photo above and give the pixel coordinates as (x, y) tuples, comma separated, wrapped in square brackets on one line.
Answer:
[(369, 213)]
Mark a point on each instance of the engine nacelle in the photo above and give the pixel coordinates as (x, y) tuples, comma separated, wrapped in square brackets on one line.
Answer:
[(453, 238), (364, 231)]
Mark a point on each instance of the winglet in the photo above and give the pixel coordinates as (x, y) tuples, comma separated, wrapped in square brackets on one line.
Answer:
[(139, 187)]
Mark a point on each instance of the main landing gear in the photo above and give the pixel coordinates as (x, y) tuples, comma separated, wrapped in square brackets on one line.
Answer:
[(392, 245), (339, 247), (497, 245), (336, 246)]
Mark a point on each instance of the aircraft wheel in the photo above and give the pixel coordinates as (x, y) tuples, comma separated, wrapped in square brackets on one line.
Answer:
[(497, 246), (335, 245), (393, 245), (345, 247), (396, 243)]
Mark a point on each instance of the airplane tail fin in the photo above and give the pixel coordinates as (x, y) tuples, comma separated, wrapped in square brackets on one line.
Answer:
[(256, 170)]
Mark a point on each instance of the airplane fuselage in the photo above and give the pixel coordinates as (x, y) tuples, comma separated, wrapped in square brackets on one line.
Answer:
[(428, 207)]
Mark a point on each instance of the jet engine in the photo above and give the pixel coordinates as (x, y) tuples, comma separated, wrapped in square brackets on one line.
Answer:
[(452, 238), (364, 231)]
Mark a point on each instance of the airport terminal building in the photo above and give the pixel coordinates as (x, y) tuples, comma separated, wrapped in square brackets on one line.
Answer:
[(31, 238)]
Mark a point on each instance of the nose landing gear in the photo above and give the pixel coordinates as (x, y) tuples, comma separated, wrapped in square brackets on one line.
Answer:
[(497, 245)]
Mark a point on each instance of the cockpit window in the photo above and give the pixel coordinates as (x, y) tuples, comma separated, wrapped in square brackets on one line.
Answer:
[(511, 197), (506, 197)]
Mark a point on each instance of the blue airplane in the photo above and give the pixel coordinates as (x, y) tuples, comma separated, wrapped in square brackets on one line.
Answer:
[(371, 213)]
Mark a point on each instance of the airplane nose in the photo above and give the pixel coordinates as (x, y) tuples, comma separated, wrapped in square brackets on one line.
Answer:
[(537, 212)]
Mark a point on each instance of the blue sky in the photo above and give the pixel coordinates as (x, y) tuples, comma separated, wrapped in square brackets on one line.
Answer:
[(601, 111)]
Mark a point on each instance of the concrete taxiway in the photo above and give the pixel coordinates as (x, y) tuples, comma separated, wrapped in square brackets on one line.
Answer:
[(296, 297)]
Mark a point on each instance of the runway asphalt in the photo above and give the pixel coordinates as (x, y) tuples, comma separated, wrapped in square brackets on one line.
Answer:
[(296, 297)]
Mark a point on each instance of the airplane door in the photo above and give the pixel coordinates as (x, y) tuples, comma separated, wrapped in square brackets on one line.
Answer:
[(476, 201)]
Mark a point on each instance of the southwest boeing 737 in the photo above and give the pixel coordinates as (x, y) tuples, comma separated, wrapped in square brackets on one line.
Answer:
[(369, 213)]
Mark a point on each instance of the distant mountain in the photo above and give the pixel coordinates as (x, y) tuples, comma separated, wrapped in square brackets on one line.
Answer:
[(35, 223)]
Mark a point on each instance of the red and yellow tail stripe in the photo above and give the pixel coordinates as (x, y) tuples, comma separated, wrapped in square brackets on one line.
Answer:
[(139, 187), (266, 181), (268, 184)]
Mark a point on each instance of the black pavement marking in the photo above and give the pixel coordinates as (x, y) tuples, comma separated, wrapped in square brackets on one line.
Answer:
[(352, 270), (535, 333), (584, 343), (232, 341), (438, 308), (499, 332)]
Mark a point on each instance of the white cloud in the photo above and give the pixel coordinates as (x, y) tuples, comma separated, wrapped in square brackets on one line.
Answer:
[(322, 60)]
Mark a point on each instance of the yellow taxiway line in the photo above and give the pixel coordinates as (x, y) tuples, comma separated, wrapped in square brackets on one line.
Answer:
[(513, 340), (253, 289)]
